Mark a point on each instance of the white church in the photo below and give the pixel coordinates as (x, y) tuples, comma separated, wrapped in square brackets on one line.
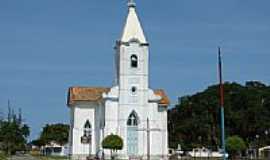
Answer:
[(129, 109)]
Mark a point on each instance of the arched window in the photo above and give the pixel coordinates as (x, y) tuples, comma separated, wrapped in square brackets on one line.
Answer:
[(87, 133), (132, 119), (87, 128), (134, 61)]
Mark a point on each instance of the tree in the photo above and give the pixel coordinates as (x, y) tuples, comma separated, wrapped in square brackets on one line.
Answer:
[(57, 133), (235, 145), (13, 136), (37, 142), (195, 121), (112, 142), (1, 115)]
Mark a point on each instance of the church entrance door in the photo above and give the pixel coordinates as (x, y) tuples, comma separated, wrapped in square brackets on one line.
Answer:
[(132, 141), (132, 134)]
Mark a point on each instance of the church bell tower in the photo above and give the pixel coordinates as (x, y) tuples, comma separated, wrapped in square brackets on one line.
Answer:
[(132, 58)]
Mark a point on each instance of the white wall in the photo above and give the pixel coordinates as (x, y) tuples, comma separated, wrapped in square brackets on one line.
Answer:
[(116, 123), (82, 113)]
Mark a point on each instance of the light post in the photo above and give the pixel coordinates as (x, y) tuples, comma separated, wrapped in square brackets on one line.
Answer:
[(266, 132), (200, 144), (257, 145), (222, 118)]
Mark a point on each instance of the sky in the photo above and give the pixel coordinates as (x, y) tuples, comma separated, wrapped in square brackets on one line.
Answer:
[(48, 46)]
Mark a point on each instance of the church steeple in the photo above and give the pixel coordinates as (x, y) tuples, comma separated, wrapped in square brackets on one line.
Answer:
[(132, 56), (133, 29)]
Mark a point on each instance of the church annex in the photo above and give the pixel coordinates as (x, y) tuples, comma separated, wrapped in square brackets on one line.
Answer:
[(127, 109)]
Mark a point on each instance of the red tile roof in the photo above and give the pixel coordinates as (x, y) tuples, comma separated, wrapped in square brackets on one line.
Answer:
[(164, 98), (94, 94)]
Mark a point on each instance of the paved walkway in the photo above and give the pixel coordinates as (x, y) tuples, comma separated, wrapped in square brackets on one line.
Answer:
[(23, 157)]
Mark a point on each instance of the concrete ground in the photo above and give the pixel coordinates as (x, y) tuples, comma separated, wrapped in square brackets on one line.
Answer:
[(29, 157), (22, 157)]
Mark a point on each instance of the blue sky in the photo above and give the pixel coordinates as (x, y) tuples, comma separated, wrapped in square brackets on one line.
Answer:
[(48, 46)]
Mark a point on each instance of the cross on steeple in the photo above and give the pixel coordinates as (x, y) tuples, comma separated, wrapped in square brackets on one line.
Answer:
[(131, 3)]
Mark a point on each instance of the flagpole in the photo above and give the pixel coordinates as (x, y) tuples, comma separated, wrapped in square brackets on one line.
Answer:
[(221, 89)]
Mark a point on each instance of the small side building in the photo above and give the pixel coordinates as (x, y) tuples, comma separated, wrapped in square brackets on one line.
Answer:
[(54, 149), (264, 152)]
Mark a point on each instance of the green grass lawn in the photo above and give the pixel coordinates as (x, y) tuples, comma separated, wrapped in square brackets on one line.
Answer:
[(2, 156)]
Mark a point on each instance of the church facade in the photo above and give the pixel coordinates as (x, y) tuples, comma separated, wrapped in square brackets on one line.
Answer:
[(129, 109)]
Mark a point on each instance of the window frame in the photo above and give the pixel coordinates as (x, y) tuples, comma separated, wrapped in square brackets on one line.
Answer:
[(134, 61), (133, 120), (87, 133)]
